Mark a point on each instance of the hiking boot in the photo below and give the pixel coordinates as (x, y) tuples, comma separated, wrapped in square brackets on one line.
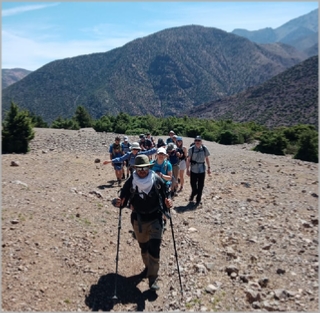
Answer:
[(153, 285), (119, 182), (191, 198), (198, 203)]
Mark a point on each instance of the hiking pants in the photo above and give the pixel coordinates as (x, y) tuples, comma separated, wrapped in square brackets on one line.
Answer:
[(197, 184), (149, 240)]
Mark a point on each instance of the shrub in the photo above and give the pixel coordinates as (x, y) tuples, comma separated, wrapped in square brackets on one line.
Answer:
[(272, 143), (17, 131), (308, 147)]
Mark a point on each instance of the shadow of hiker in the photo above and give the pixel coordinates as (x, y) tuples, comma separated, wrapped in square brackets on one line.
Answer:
[(101, 295), (189, 207), (111, 184)]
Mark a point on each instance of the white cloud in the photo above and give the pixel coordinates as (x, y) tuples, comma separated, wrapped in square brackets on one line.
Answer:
[(29, 54), (26, 8)]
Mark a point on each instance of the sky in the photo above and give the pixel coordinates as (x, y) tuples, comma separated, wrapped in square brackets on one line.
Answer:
[(36, 33)]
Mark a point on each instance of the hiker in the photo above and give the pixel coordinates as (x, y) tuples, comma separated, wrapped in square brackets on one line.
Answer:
[(173, 156), (163, 167), (125, 145), (148, 200), (198, 155), (130, 156), (170, 138), (182, 164), (149, 137), (115, 152), (160, 143), (145, 144)]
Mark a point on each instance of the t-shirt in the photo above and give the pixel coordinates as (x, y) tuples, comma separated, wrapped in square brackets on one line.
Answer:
[(115, 153), (125, 147), (198, 157), (163, 168)]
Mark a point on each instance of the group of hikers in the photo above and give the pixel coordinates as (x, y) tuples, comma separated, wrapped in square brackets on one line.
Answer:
[(151, 184)]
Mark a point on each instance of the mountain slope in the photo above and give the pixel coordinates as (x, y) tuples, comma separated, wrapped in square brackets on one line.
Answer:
[(286, 99), (11, 76), (301, 32), (162, 74)]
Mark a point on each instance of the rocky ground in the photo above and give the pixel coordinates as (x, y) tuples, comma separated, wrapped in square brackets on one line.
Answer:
[(251, 246)]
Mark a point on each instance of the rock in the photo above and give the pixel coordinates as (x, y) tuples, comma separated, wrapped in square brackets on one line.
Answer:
[(15, 163)]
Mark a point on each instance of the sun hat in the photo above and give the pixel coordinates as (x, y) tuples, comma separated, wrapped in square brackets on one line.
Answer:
[(175, 136), (135, 145), (179, 138), (171, 132), (142, 160), (170, 146), (162, 150), (198, 138)]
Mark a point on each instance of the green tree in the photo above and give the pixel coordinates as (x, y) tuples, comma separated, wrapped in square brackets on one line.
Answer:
[(308, 150), (272, 143), (17, 131), (82, 117)]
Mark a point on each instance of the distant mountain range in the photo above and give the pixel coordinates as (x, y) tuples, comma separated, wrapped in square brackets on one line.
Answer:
[(167, 73), (11, 76), (301, 33), (284, 100)]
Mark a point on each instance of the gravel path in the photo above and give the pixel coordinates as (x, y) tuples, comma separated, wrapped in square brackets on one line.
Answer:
[(251, 246)]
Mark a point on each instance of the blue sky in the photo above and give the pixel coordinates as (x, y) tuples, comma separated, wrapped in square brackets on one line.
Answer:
[(36, 33)]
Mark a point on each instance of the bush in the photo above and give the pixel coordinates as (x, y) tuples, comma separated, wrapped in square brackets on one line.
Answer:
[(308, 150), (17, 131), (272, 143)]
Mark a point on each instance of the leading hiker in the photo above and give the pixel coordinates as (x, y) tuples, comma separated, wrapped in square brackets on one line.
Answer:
[(148, 201)]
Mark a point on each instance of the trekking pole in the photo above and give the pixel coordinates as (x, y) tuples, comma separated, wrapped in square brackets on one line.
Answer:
[(175, 252), (117, 256)]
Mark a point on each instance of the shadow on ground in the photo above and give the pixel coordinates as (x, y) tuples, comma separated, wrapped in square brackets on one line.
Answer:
[(101, 295), (191, 206), (110, 184)]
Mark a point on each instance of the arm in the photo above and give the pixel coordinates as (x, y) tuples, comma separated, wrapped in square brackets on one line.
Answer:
[(188, 165), (119, 159), (208, 165), (149, 152)]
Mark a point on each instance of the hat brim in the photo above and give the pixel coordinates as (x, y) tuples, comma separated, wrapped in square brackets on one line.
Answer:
[(143, 165), (135, 148)]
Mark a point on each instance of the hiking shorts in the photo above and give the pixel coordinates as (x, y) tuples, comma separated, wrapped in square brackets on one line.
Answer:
[(118, 166), (183, 165)]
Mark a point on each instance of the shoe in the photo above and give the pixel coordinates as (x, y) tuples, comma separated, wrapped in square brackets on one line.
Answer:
[(119, 183), (127, 175), (181, 188), (144, 273), (191, 199), (198, 203), (153, 285), (123, 177)]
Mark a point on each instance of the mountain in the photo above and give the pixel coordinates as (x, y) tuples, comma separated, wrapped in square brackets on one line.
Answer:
[(285, 100), (10, 76), (301, 33), (163, 74)]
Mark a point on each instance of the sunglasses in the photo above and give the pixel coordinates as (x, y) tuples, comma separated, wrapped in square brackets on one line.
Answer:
[(140, 169)]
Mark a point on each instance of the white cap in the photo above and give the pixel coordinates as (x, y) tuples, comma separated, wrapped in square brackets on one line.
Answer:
[(125, 138), (161, 150)]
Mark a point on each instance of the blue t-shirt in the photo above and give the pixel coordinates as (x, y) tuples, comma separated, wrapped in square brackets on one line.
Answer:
[(163, 168)]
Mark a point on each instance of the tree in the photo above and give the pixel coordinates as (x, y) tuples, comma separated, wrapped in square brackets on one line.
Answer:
[(17, 131), (308, 150), (82, 117)]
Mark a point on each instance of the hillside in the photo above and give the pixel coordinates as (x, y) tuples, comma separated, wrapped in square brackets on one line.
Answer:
[(301, 33), (285, 100), (11, 76), (163, 74), (251, 247)]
